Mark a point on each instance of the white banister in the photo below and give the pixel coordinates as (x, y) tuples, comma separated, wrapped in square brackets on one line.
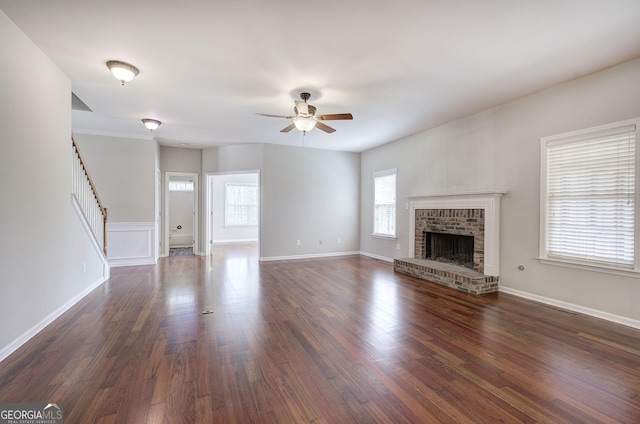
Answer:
[(87, 197)]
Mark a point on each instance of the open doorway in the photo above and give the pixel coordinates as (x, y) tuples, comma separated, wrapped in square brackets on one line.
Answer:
[(233, 209), (181, 213)]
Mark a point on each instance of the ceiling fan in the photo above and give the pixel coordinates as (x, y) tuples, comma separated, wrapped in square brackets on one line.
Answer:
[(306, 119)]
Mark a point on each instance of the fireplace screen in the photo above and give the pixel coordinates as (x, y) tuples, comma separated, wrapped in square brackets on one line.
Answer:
[(449, 248)]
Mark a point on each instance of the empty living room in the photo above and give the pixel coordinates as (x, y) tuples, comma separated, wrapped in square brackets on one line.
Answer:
[(243, 212)]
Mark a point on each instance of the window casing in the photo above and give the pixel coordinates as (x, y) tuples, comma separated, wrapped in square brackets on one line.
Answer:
[(240, 204), (384, 208), (588, 197)]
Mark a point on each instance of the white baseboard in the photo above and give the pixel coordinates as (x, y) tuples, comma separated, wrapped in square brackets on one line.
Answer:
[(309, 256), (231, 241), (27, 335), (131, 262), (374, 256), (575, 308)]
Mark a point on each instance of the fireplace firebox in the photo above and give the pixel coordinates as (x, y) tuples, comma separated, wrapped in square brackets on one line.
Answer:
[(449, 248)]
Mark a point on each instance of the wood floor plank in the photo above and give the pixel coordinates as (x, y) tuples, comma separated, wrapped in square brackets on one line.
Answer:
[(330, 340)]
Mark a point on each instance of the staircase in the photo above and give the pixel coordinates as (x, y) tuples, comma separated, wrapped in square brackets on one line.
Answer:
[(86, 197)]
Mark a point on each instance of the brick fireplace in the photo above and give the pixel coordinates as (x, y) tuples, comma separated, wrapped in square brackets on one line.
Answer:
[(454, 241)]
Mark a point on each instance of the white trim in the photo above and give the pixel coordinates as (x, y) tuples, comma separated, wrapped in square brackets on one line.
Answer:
[(135, 136), (384, 236), (157, 252), (374, 256), (235, 241), (27, 335), (131, 243), (573, 307), (379, 174), (487, 200), (596, 267), (310, 256)]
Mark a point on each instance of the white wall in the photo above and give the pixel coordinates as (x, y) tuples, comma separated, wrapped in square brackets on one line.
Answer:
[(499, 149), (43, 246), (177, 159), (123, 170), (309, 195), (248, 157), (305, 194)]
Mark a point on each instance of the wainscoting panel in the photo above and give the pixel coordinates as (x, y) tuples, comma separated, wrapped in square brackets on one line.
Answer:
[(131, 243)]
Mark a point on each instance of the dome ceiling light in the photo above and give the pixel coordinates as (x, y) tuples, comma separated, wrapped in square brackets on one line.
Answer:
[(151, 124), (124, 72)]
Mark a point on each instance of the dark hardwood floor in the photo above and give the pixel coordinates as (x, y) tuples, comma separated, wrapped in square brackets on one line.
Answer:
[(335, 340)]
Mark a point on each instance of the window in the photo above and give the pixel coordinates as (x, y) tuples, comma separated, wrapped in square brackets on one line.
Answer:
[(180, 185), (384, 209), (588, 197), (241, 204)]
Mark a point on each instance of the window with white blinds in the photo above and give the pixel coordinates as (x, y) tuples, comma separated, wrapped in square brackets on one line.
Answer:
[(241, 204), (180, 185), (384, 209), (589, 196)]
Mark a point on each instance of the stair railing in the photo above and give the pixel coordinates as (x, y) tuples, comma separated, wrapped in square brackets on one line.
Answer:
[(87, 196)]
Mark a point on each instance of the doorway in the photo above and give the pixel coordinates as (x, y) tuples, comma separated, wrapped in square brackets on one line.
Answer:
[(181, 214), (233, 209)]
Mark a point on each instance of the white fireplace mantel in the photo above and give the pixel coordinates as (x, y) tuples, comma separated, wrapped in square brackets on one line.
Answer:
[(487, 200)]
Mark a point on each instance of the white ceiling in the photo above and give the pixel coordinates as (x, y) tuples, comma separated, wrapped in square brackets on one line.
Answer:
[(400, 67)]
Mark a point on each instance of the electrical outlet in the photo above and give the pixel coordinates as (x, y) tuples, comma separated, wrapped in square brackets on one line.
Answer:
[(297, 242), (339, 241), (398, 246), (84, 267)]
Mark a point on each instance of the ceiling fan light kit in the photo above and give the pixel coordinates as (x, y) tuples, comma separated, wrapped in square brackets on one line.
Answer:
[(304, 124), (305, 118), (123, 71)]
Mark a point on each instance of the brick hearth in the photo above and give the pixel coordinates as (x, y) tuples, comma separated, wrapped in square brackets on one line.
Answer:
[(457, 277)]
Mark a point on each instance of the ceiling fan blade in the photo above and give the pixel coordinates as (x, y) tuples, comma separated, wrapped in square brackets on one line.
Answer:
[(335, 116), (288, 128), (325, 128), (302, 107), (274, 116)]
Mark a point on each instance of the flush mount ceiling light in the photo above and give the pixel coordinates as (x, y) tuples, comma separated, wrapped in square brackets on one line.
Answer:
[(151, 124), (124, 72)]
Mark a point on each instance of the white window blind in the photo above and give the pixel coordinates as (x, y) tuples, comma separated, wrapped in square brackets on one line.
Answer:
[(384, 221), (591, 196), (241, 204), (180, 185)]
